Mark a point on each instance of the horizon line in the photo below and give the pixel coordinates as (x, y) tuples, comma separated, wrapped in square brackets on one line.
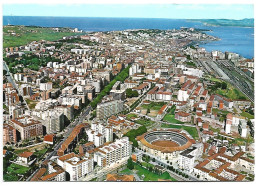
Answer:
[(135, 17)]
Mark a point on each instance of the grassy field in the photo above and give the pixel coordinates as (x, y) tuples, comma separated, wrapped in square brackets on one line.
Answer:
[(214, 79), (215, 110), (230, 92), (17, 169), (41, 152), (214, 129), (126, 171), (20, 151), (191, 64), (191, 130), (153, 105), (129, 116), (24, 35), (147, 165), (170, 118), (150, 176), (145, 122), (245, 114), (31, 103), (242, 141)]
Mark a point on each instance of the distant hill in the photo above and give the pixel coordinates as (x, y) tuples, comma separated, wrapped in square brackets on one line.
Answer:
[(227, 22)]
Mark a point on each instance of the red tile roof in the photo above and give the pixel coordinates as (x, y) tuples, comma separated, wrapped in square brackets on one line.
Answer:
[(183, 114), (49, 138), (71, 137), (26, 154)]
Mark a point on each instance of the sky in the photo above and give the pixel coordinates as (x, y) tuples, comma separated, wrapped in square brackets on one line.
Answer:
[(173, 11)]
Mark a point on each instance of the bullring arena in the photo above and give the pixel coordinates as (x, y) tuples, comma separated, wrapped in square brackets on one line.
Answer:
[(165, 143)]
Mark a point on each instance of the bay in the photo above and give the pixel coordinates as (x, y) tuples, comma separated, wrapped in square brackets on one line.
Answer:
[(233, 39)]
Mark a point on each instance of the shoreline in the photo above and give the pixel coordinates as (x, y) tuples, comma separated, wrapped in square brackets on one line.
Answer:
[(197, 43)]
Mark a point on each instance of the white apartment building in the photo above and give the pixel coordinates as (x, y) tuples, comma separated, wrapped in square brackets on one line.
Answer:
[(235, 119), (242, 128), (95, 137), (187, 158), (182, 95), (228, 128), (53, 119), (45, 86), (76, 167), (70, 100), (18, 76), (114, 152), (56, 173), (193, 72), (44, 105), (104, 130), (55, 122), (134, 69)]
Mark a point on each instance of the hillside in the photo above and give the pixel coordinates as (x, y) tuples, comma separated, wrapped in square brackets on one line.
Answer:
[(21, 35), (227, 22)]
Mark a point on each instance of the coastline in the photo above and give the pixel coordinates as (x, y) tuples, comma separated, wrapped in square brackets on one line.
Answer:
[(207, 31)]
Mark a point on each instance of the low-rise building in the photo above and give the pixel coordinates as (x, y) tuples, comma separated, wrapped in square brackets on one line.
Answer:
[(183, 116), (26, 158)]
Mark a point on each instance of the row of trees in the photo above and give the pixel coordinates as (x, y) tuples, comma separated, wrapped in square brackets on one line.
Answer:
[(130, 93), (120, 77), (130, 164), (177, 172), (146, 158), (251, 127), (132, 134)]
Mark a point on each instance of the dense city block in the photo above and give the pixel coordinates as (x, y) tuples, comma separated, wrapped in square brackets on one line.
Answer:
[(131, 105)]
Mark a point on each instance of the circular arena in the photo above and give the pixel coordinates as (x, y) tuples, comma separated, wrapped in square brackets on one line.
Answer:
[(165, 141)]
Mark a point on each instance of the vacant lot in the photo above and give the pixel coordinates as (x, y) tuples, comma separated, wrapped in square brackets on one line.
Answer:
[(153, 105)]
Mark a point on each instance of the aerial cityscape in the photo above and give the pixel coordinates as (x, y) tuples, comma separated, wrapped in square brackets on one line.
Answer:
[(128, 99)]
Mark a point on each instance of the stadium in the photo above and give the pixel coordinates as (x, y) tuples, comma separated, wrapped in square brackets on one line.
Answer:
[(165, 143)]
